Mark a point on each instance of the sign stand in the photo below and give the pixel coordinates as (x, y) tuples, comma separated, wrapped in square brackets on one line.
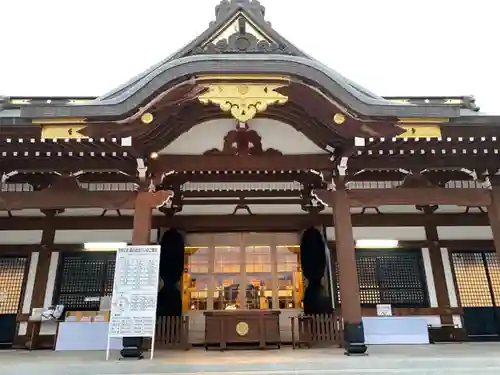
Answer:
[(384, 309), (135, 294), (107, 348)]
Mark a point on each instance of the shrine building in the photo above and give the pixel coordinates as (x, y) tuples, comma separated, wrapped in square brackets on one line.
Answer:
[(273, 184)]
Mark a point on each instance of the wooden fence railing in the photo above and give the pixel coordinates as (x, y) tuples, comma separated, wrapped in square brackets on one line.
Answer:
[(172, 332), (317, 330)]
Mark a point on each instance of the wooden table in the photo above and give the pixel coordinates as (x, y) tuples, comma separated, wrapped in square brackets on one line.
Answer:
[(231, 329)]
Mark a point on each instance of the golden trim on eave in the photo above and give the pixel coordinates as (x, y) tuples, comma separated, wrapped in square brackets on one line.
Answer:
[(424, 127), (420, 131), (66, 131)]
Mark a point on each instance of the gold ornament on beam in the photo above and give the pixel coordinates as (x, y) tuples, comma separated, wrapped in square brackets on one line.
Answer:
[(420, 131), (338, 118), (243, 100), (147, 118), (68, 131)]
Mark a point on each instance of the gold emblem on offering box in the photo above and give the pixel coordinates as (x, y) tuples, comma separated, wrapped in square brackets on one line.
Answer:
[(242, 328)]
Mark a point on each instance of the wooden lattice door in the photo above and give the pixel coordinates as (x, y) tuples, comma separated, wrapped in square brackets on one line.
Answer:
[(12, 276), (477, 277)]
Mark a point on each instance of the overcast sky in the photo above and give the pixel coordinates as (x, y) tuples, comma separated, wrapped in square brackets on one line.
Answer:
[(392, 47)]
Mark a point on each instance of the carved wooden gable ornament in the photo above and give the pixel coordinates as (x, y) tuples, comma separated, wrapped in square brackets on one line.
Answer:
[(240, 27)]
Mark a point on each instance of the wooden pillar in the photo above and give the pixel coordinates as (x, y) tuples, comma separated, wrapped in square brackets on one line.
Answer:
[(494, 217), (143, 211), (354, 338), (141, 233), (42, 274), (438, 274), (145, 202)]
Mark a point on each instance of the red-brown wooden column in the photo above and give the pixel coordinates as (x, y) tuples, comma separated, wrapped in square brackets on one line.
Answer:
[(41, 276), (143, 211), (438, 273), (494, 216), (141, 235), (354, 337)]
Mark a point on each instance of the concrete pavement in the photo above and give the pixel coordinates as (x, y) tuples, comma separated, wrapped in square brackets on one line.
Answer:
[(477, 358)]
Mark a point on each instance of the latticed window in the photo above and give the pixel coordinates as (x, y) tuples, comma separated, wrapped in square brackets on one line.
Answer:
[(493, 265), (83, 279), (390, 277), (477, 276), (12, 271)]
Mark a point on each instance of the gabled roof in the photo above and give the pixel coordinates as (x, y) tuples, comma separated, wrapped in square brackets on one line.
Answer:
[(131, 96), (241, 40), (231, 17)]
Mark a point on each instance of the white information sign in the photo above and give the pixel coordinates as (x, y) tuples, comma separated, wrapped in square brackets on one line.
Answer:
[(135, 293), (384, 310)]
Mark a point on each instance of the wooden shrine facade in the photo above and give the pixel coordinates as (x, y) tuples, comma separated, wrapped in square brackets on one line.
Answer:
[(133, 152)]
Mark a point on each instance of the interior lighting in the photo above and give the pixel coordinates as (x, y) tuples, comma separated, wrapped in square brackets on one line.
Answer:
[(377, 244), (103, 246)]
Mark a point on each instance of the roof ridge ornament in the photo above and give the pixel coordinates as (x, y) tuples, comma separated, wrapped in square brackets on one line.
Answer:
[(226, 6)]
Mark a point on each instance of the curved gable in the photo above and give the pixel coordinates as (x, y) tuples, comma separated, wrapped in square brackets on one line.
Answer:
[(210, 135)]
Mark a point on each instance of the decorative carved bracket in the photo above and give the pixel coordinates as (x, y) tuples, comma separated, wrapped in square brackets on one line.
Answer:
[(416, 180), (310, 202), (175, 204), (242, 207), (243, 100), (242, 141)]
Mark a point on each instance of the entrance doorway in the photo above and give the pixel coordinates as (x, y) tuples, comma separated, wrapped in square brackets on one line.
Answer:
[(225, 271), (477, 277), (12, 275), (242, 271)]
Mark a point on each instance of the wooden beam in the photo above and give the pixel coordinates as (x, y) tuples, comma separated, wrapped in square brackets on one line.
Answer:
[(233, 222), (412, 196), (454, 245), (67, 164), (49, 199), (419, 162), (245, 200), (211, 163)]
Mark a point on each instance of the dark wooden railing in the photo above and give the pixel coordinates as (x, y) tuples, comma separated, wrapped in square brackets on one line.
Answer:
[(317, 330), (172, 332)]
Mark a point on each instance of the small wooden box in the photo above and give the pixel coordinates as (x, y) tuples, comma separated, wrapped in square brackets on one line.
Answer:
[(447, 333)]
